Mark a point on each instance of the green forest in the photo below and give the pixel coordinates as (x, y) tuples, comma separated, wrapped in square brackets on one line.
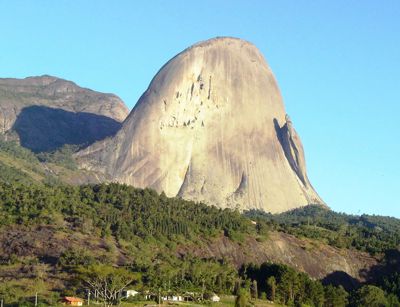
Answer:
[(144, 221), (371, 233)]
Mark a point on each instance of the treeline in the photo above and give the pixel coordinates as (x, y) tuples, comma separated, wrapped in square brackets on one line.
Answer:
[(62, 156), (114, 209), (284, 285), (169, 275), (188, 275), (370, 233)]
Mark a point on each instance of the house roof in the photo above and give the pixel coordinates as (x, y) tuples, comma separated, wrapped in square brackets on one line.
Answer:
[(73, 299)]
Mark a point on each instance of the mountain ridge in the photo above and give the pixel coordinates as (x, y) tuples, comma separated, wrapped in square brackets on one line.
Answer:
[(46, 112)]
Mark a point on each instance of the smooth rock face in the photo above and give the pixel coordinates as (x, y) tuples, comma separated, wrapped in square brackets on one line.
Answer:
[(36, 106), (211, 127)]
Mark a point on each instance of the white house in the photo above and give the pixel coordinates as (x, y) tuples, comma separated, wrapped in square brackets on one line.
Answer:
[(173, 298), (177, 298), (130, 293)]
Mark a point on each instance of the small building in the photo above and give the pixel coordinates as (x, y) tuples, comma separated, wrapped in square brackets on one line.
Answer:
[(72, 301), (215, 298), (129, 293), (177, 298), (173, 298)]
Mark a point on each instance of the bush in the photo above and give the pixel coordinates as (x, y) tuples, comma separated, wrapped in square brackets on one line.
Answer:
[(76, 257)]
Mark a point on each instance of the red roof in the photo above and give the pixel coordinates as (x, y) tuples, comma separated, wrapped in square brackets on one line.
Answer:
[(73, 299)]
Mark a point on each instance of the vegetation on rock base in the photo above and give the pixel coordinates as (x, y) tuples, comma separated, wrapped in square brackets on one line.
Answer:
[(148, 227), (120, 228)]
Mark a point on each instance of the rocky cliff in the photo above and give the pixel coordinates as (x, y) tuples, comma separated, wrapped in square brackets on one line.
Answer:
[(211, 127), (47, 112)]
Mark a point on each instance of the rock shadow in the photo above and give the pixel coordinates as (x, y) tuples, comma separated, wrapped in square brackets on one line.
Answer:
[(44, 129), (389, 264), (340, 278), (278, 132)]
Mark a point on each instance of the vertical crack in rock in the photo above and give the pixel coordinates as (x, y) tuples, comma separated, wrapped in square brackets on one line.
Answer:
[(203, 187), (241, 189), (209, 88), (185, 182), (191, 91)]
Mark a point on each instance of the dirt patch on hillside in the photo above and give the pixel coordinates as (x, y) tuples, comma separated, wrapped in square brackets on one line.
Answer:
[(48, 243), (316, 259)]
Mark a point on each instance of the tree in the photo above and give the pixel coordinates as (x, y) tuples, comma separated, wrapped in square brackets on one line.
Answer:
[(288, 286), (391, 283), (242, 299), (370, 296), (335, 296), (107, 281), (254, 289), (271, 284), (315, 293), (393, 301)]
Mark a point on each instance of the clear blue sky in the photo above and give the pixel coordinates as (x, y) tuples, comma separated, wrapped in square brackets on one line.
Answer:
[(337, 64)]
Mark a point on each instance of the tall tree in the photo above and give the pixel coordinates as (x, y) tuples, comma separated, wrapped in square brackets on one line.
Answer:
[(335, 296), (254, 289), (242, 299), (107, 281), (271, 285)]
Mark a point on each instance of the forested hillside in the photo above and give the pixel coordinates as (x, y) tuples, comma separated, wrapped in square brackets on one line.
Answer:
[(371, 233), (138, 230), (55, 238), (114, 209)]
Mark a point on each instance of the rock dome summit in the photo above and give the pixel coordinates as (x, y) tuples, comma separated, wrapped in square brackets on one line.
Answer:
[(211, 127)]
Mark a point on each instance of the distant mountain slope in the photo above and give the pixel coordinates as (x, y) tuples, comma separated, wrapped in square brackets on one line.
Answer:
[(19, 164), (47, 112)]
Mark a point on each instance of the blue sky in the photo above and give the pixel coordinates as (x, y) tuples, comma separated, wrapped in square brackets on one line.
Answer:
[(337, 64)]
